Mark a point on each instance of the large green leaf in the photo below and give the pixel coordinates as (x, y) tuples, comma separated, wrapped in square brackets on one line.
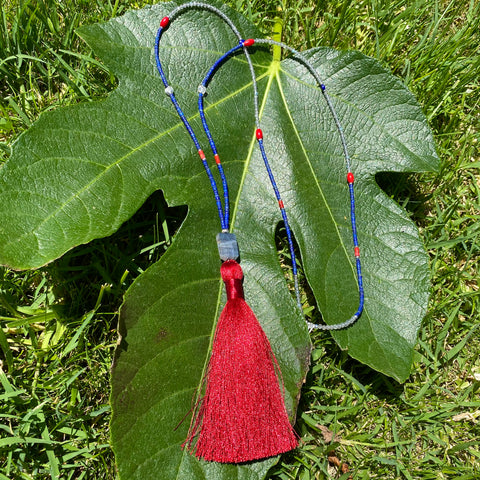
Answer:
[(80, 172)]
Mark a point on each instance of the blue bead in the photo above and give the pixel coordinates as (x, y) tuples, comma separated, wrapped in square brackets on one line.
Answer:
[(227, 246)]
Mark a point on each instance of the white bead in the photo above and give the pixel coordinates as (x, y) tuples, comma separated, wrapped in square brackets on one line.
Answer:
[(202, 89), (169, 90)]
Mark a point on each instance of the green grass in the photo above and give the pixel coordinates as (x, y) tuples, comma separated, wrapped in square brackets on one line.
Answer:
[(58, 324)]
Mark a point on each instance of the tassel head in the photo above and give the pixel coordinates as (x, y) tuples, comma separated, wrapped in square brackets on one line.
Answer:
[(242, 415), (232, 276)]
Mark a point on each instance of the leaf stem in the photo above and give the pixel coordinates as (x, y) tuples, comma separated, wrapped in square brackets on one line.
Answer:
[(277, 36)]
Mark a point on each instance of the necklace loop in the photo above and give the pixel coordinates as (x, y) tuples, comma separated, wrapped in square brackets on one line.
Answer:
[(226, 249)]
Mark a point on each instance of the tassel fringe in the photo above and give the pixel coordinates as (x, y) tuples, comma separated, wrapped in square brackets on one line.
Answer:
[(242, 416)]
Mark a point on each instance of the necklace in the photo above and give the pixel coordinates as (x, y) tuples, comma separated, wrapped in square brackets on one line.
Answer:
[(242, 377)]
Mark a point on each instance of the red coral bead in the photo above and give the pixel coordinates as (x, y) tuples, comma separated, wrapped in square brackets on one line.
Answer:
[(259, 134), (350, 177), (248, 42), (164, 22)]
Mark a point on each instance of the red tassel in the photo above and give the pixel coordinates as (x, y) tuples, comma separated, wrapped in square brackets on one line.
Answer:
[(242, 416)]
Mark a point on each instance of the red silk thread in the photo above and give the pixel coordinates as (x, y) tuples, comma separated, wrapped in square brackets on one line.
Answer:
[(242, 415)]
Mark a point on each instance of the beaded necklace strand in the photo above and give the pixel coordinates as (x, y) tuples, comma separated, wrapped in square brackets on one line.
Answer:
[(350, 181), (224, 211)]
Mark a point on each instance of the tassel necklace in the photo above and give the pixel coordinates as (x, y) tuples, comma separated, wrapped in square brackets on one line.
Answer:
[(242, 416)]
